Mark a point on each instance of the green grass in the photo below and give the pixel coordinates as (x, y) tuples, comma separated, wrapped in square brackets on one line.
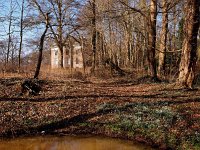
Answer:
[(154, 123)]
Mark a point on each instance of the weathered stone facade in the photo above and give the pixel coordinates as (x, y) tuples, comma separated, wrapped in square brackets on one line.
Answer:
[(71, 58)]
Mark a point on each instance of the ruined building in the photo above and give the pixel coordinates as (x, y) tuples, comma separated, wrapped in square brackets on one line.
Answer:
[(72, 57)]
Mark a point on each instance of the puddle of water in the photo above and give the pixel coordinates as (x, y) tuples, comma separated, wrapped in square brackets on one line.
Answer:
[(69, 143)]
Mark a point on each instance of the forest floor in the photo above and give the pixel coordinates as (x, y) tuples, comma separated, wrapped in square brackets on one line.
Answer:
[(154, 113)]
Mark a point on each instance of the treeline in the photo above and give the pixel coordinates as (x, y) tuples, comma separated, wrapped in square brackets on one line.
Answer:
[(159, 37)]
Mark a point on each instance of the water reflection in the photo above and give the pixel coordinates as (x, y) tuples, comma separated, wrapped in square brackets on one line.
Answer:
[(69, 143)]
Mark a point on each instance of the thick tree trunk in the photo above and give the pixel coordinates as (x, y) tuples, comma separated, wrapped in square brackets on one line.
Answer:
[(163, 41), (189, 48), (152, 39), (60, 56), (60, 34)]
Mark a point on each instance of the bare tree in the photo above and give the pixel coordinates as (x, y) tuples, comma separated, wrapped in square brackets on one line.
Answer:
[(21, 35), (37, 71), (10, 23), (62, 21)]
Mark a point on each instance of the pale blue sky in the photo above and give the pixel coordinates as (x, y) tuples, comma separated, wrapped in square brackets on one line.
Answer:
[(4, 13), (5, 8)]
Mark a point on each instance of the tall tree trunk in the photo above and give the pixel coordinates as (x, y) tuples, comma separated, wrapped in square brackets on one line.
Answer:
[(9, 41), (163, 40), (152, 39), (37, 71), (189, 48), (82, 53), (94, 36), (9, 34), (173, 45), (21, 36), (12, 54), (60, 34), (71, 56)]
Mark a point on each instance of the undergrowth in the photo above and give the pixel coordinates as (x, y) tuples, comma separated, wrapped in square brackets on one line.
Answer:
[(163, 125)]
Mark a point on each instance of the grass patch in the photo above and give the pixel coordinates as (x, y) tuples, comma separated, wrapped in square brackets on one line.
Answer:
[(162, 125)]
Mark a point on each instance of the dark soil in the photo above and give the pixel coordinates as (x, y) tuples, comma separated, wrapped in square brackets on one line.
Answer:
[(153, 113)]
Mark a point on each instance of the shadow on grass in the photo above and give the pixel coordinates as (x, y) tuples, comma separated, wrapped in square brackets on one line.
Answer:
[(51, 127)]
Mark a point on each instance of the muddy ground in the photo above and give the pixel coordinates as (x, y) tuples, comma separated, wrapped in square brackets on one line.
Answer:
[(154, 113)]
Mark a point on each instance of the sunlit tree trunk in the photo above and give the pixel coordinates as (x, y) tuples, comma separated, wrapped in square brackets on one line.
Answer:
[(60, 34), (189, 48), (9, 31), (152, 39), (163, 40)]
